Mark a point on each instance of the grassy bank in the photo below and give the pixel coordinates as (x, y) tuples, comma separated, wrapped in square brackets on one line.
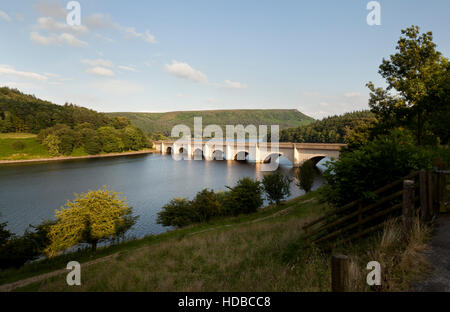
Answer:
[(31, 147), (258, 252), (34, 150)]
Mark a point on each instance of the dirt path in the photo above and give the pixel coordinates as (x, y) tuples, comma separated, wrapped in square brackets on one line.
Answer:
[(439, 257)]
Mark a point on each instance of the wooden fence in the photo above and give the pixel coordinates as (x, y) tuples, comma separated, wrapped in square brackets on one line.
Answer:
[(425, 194)]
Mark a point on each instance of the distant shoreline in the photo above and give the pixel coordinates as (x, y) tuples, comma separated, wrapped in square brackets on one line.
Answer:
[(65, 158)]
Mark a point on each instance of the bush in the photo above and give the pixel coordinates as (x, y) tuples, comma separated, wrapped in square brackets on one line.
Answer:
[(276, 186), (245, 197), (18, 145), (178, 212), (206, 205), (15, 251), (305, 176), (381, 161)]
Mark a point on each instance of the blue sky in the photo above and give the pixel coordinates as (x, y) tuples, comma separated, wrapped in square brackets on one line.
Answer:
[(155, 56)]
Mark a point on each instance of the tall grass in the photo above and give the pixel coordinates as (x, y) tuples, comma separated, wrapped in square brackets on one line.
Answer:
[(262, 254)]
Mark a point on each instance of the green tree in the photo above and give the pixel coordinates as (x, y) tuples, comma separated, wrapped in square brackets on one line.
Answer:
[(413, 73), (206, 205), (5, 235), (276, 186), (178, 212), (356, 174), (110, 139), (90, 218), (245, 197), (305, 176), (52, 142)]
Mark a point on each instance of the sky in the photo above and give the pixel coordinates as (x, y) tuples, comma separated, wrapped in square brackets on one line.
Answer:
[(158, 56)]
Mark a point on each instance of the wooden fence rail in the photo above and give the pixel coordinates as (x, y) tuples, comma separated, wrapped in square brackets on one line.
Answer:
[(423, 194)]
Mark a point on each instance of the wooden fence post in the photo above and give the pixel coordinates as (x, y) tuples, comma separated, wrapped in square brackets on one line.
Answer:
[(408, 206), (424, 210), (339, 273), (430, 194)]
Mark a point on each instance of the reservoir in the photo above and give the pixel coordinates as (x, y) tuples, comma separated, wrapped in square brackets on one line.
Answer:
[(30, 193)]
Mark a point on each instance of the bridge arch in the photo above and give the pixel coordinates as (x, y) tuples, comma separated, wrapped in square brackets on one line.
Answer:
[(241, 156), (316, 159), (198, 154), (218, 155), (169, 150), (270, 156)]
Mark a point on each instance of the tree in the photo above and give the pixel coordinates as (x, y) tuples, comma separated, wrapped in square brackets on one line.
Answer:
[(206, 205), (356, 174), (245, 197), (305, 176), (17, 250), (90, 218), (52, 142), (134, 139), (110, 139), (5, 235), (276, 186), (412, 74), (178, 212)]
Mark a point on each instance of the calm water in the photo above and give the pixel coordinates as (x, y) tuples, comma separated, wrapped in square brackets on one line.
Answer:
[(30, 193)]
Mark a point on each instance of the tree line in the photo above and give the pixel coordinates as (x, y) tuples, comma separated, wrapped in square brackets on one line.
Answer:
[(246, 197), (64, 128), (334, 129)]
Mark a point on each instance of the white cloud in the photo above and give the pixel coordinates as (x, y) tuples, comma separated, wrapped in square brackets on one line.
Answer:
[(127, 68), (51, 9), (98, 36), (5, 16), (51, 75), (99, 20), (185, 71), (64, 38), (48, 23), (10, 71), (71, 40), (352, 94), (118, 87), (148, 37), (97, 62), (100, 71), (235, 84), (130, 32)]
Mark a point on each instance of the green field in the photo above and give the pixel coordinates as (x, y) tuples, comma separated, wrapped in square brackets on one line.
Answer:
[(164, 122), (32, 148)]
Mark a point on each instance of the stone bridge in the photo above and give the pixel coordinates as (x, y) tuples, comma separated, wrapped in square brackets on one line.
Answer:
[(297, 153)]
